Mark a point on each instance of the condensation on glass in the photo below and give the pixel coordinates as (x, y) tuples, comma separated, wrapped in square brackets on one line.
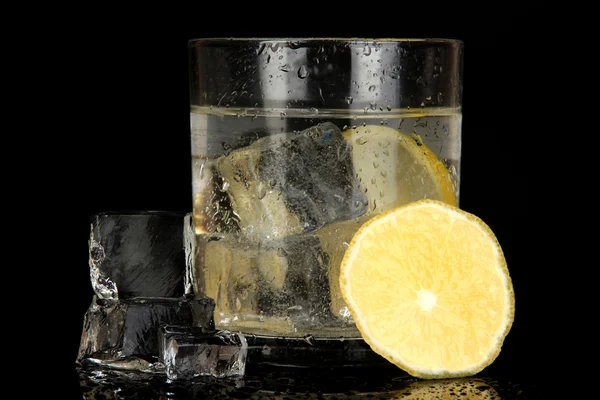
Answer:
[(297, 142)]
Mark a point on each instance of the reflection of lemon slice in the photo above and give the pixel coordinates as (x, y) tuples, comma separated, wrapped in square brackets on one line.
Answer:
[(397, 169), (449, 389), (428, 288)]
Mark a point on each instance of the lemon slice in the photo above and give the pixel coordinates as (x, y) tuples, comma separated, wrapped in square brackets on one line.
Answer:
[(428, 288), (397, 169)]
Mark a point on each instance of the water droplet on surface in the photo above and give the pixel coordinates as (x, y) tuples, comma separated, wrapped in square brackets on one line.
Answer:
[(302, 72), (372, 88), (260, 49), (349, 99), (293, 45), (285, 68), (375, 164), (367, 50)]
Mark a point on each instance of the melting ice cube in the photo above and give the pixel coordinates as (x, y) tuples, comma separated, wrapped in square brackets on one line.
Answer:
[(274, 286), (137, 254), (188, 354), (292, 183), (123, 332)]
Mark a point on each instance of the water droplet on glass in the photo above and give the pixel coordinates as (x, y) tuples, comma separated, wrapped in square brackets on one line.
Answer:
[(373, 105), (226, 148), (349, 99), (285, 68), (367, 50), (261, 190), (282, 115), (302, 72), (268, 58), (361, 140), (383, 173), (371, 88), (389, 108), (374, 181), (260, 49), (428, 98), (293, 45), (375, 164)]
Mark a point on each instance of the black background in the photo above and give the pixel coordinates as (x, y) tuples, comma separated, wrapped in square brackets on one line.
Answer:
[(117, 135)]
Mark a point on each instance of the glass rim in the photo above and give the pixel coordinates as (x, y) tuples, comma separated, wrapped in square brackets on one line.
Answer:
[(308, 40)]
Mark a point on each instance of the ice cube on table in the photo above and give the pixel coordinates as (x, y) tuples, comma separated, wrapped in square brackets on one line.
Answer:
[(166, 331), (292, 183), (137, 254), (274, 286), (123, 333), (187, 355)]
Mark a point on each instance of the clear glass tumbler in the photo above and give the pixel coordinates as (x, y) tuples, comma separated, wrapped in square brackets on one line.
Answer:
[(297, 142)]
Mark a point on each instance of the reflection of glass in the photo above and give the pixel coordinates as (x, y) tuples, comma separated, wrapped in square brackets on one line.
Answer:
[(295, 143)]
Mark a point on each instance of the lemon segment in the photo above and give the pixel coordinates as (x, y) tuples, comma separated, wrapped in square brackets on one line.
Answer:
[(395, 168), (428, 288)]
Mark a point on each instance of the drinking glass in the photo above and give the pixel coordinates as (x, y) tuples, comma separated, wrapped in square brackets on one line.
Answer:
[(295, 143)]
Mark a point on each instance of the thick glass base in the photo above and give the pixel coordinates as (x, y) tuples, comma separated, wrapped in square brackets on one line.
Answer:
[(309, 352)]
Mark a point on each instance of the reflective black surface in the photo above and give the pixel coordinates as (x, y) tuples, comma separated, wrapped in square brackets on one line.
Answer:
[(264, 382)]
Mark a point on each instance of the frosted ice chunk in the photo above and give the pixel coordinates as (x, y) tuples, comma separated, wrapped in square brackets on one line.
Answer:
[(187, 355), (292, 183), (137, 254), (123, 333)]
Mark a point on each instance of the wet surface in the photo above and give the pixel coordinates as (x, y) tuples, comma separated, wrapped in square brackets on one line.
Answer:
[(268, 382)]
